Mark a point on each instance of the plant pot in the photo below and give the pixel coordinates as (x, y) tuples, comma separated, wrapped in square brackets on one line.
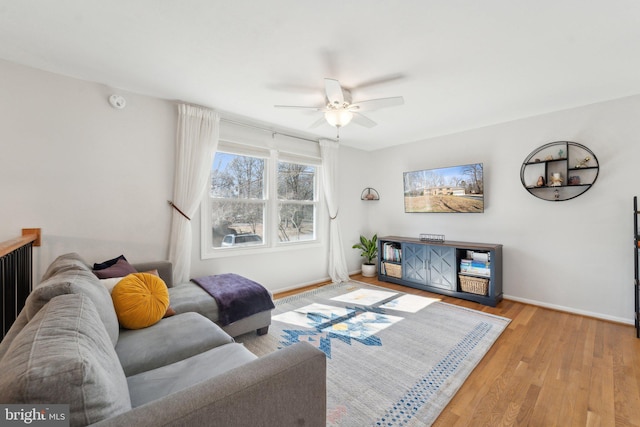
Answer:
[(369, 270)]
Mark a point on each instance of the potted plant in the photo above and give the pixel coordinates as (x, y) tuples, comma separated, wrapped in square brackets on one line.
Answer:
[(369, 251)]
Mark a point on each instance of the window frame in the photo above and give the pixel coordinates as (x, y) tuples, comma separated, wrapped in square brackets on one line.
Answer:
[(271, 242)]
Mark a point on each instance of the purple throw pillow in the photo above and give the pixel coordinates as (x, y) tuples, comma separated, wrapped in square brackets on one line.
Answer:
[(120, 269), (108, 263)]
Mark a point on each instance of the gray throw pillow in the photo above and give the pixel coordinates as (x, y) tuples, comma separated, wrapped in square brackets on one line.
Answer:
[(75, 282), (64, 355)]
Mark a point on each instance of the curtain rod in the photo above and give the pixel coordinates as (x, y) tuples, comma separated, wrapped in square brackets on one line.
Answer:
[(235, 122)]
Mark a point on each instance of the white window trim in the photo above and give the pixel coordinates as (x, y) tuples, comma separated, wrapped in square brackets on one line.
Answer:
[(271, 244)]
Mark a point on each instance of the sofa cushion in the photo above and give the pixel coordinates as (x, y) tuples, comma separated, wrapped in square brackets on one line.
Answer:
[(72, 281), (188, 297), (66, 262), (168, 341), (151, 385), (164, 268), (64, 355), (140, 300)]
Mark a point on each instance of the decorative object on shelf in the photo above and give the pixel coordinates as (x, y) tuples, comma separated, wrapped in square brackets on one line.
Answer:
[(555, 180), (562, 159), (369, 251), (432, 237), (369, 194), (583, 163), (574, 180)]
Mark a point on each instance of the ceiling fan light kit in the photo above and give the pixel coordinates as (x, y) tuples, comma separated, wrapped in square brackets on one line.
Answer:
[(339, 111), (338, 117)]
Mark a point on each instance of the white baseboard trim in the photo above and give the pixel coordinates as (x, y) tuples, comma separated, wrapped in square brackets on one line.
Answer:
[(314, 282), (571, 310), (301, 285)]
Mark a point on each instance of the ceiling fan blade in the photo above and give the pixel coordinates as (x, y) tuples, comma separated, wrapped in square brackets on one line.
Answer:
[(318, 122), (378, 81), (376, 104), (362, 120), (293, 88), (299, 107), (334, 92)]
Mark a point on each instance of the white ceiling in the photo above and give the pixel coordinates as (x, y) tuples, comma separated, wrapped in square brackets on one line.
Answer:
[(459, 64)]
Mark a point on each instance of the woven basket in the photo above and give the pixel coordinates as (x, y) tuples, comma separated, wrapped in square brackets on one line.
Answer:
[(393, 270), (473, 285)]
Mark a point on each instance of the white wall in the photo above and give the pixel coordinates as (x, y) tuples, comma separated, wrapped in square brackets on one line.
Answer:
[(96, 180), (574, 255)]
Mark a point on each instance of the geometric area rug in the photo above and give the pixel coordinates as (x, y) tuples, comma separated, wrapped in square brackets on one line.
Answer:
[(393, 359)]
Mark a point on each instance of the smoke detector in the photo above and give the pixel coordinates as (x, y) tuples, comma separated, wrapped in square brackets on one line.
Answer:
[(117, 101)]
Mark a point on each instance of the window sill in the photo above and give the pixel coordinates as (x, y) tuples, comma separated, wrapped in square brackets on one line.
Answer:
[(213, 253)]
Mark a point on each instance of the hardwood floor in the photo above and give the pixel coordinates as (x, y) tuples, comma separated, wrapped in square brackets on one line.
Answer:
[(548, 368)]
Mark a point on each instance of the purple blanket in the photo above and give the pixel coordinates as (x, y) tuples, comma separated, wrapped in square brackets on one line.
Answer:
[(237, 296)]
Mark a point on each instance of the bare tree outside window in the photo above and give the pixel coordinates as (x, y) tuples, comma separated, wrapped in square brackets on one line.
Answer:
[(239, 202), (296, 192), (237, 190)]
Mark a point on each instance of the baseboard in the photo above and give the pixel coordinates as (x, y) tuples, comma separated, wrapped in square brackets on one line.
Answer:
[(314, 282), (301, 285), (571, 310)]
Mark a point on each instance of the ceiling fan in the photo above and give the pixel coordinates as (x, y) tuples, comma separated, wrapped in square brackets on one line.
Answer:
[(339, 110)]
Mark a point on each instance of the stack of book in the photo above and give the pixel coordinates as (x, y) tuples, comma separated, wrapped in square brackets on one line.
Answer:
[(391, 252), (477, 263)]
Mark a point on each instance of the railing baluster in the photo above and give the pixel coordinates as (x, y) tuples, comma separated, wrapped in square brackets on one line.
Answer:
[(16, 278)]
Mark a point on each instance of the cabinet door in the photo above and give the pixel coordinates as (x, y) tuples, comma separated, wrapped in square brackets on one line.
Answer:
[(442, 267), (414, 263)]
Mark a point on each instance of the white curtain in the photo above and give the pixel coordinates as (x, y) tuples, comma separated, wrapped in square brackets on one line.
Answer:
[(337, 262), (196, 144)]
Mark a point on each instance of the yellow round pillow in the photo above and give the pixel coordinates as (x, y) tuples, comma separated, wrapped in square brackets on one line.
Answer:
[(140, 300)]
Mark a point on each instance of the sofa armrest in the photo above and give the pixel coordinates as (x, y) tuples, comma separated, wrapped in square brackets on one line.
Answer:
[(165, 270), (284, 388)]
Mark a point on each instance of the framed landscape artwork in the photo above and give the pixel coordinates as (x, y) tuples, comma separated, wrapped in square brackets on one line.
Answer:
[(451, 189)]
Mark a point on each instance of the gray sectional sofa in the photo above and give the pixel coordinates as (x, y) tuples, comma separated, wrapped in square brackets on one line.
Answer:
[(67, 347)]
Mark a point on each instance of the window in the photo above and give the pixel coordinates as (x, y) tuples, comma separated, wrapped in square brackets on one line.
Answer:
[(237, 199), (296, 202), (259, 199)]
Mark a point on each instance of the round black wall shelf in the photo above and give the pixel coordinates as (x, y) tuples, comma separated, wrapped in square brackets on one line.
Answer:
[(560, 170)]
